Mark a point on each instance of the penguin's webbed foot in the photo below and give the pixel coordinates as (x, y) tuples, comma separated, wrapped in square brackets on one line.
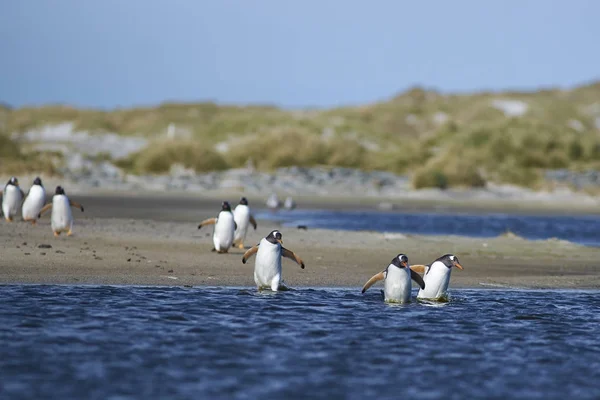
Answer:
[(56, 234)]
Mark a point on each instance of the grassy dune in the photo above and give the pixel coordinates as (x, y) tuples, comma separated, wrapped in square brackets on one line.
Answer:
[(440, 140)]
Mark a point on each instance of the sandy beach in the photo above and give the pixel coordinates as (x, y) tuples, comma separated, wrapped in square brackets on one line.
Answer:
[(154, 240)]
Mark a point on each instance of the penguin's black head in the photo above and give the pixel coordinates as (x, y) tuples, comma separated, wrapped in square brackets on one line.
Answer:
[(225, 206), (275, 237), (450, 260), (59, 190), (37, 181), (400, 261), (13, 181), (244, 201)]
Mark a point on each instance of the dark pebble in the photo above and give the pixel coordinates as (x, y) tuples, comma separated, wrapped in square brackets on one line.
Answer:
[(45, 246)]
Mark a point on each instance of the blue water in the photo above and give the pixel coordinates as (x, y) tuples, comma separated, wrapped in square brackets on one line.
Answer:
[(579, 229), (102, 342)]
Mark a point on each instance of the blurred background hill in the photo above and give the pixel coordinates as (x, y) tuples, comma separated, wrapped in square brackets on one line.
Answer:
[(304, 86)]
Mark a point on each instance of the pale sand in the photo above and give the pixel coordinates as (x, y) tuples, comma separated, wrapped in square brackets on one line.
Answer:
[(155, 241)]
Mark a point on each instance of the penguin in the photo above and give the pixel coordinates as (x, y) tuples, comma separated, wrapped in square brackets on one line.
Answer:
[(397, 280), (289, 203), (12, 196), (242, 216), (273, 202), (34, 201), (267, 267), (437, 277), (61, 219), (225, 227)]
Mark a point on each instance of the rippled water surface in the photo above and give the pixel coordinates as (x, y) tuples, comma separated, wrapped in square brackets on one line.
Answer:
[(83, 342), (582, 229)]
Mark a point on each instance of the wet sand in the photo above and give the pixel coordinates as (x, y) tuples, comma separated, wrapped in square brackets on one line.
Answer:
[(154, 240)]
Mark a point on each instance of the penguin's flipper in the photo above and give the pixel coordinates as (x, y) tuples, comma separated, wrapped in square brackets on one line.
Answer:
[(44, 209), (375, 278), (234, 226), (253, 221), (419, 268), (249, 253), (417, 278), (75, 204), (291, 255), (210, 221)]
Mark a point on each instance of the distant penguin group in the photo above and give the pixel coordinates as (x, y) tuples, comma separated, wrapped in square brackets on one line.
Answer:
[(32, 205)]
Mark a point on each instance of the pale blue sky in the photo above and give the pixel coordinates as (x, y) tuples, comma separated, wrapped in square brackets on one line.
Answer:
[(109, 53)]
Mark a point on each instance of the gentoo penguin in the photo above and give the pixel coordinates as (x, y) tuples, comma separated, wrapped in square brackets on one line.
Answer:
[(224, 228), (273, 201), (267, 267), (397, 280), (12, 196), (437, 277), (36, 197), (289, 203), (242, 216), (61, 219)]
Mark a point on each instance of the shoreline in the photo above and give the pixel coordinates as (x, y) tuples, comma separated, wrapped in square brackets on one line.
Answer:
[(152, 241)]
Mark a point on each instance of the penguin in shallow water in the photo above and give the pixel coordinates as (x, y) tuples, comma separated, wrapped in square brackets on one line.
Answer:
[(397, 279), (242, 217), (12, 196), (437, 277), (267, 267), (34, 201), (224, 228), (61, 219)]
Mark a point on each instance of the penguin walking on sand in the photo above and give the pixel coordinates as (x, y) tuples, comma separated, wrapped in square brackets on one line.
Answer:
[(225, 227), (12, 197), (267, 267), (273, 202), (242, 217), (61, 219), (34, 201), (437, 277), (397, 279)]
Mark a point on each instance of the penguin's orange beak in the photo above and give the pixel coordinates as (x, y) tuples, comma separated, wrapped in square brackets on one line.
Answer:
[(404, 264), (280, 241), (457, 265)]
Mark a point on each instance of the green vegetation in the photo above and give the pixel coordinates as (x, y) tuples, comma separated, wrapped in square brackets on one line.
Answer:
[(440, 140), (16, 160)]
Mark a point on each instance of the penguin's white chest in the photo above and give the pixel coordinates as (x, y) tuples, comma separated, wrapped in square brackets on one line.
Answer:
[(62, 219), (397, 286), (11, 200), (34, 202), (241, 215), (436, 281), (224, 229), (268, 263)]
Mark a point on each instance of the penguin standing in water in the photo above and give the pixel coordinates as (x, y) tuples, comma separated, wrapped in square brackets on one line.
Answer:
[(12, 196), (267, 267), (437, 277), (61, 219), (397, 280), (36, 197), (224, 228), (242, 217)]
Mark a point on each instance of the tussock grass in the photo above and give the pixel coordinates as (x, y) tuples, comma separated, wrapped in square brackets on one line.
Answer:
[(441, 140), (159, 156), (15, 160)]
